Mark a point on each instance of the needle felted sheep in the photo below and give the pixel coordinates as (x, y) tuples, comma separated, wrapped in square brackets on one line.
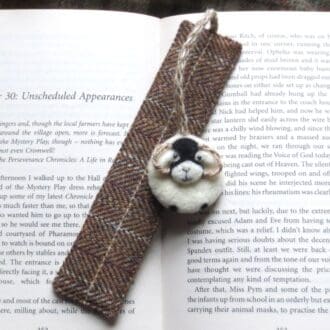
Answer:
[(184, 174)]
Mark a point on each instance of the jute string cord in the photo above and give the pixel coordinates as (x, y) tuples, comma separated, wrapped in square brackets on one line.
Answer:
[(183, 57)]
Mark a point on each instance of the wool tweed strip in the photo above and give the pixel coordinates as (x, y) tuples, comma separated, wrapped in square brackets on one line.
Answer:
[(124, 216)]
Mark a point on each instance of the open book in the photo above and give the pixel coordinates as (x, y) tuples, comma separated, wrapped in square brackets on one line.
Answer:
[(71, 83)]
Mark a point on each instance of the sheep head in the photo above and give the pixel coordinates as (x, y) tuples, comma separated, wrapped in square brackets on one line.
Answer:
[(186, 159)]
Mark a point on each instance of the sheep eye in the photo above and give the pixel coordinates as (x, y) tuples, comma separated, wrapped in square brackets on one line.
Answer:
[(176, 157)]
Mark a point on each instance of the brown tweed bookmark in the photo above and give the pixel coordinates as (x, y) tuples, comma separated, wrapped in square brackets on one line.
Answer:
[(124, 216)]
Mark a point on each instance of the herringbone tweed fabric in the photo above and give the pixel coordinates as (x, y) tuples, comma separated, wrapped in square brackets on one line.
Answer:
[(124, 216)]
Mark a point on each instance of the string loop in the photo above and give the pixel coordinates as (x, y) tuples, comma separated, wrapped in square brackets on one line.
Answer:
[(183, 57)]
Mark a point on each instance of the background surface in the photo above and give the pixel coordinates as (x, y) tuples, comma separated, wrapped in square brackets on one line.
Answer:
[(170, 7)]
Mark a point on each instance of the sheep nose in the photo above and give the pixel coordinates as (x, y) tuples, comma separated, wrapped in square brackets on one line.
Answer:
[(185, 169)]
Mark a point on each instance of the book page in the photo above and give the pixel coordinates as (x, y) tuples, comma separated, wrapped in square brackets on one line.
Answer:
[(71, 84), (260, 258)]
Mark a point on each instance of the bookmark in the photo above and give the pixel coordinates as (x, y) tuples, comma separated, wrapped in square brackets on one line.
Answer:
[(125, 215), (184, 171)]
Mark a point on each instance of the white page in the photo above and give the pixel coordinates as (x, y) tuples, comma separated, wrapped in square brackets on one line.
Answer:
[(45, 54), (272, 223)]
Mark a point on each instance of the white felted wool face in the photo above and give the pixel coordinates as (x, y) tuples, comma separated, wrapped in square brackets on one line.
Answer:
[(184, 174)]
